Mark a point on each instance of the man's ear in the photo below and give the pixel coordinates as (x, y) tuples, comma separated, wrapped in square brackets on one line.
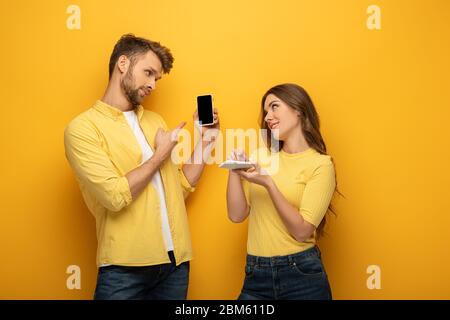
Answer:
[(123, 63)]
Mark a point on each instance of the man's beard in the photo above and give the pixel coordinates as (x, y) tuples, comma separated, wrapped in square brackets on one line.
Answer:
[(132, 94)]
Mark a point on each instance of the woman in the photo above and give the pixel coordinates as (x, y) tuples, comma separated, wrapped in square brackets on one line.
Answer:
[(286, 207)]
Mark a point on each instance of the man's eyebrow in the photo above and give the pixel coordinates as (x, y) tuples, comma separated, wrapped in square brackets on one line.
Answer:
[(153, 71)]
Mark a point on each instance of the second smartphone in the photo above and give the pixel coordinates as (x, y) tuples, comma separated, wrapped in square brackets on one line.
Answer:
[(205, 110)]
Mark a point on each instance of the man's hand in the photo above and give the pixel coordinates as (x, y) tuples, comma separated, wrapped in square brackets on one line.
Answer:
[(194, 167), (165, 141), (212, 135)]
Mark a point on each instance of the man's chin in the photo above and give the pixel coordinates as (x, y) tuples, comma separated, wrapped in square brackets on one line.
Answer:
[(141, 100), (137, 101)]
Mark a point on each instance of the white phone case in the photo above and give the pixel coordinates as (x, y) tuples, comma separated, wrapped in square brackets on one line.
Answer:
[(233, 164)]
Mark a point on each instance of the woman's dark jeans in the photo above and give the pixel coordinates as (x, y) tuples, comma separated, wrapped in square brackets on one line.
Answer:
[(299, 276)]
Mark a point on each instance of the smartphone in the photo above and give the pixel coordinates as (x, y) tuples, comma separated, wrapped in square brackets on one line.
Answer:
[(205, 110), (235, 164)]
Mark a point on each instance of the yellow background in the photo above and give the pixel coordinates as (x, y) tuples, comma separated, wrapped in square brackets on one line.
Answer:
[(383, 97)]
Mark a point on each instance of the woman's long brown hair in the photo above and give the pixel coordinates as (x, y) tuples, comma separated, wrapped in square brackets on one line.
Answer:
[(297, 98)]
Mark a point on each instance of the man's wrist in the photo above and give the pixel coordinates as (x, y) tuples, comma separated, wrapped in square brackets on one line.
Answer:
[(212, 136), (156, 160), (204, 141)]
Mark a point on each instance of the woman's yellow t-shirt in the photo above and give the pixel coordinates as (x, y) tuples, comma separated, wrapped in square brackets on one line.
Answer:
[(307, 181)]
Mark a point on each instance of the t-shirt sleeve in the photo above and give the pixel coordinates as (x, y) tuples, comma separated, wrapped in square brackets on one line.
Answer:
[(317, 194)]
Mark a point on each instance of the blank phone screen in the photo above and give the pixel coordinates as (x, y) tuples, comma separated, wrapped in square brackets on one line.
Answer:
[(205, 110)]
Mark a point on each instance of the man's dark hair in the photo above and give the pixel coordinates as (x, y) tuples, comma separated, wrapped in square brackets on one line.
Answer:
[(132, 46)]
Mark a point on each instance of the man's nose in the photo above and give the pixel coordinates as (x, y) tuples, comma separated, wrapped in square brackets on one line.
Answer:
[(151, 85)]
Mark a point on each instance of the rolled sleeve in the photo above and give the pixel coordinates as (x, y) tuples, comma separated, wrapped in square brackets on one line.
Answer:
[(121, 195), (186, 186)]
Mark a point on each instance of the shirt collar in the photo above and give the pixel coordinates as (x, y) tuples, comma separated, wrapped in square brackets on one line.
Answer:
[(113, 112)]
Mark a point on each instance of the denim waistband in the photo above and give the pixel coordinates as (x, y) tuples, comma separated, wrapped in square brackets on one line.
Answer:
[(283, 260)]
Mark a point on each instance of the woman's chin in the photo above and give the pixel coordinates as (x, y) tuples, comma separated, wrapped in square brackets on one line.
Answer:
[(277, 136)]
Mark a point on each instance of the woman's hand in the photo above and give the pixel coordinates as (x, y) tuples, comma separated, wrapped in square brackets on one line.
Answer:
[(255, 174), (237, 155)]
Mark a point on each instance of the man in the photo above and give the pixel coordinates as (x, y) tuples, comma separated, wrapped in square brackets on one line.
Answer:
[(121, 156)]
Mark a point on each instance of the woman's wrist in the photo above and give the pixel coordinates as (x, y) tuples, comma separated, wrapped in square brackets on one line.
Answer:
[(233, 174), (269, 185)]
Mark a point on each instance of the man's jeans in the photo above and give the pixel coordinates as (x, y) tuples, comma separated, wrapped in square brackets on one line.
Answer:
[(159, 282), (299, 276)]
